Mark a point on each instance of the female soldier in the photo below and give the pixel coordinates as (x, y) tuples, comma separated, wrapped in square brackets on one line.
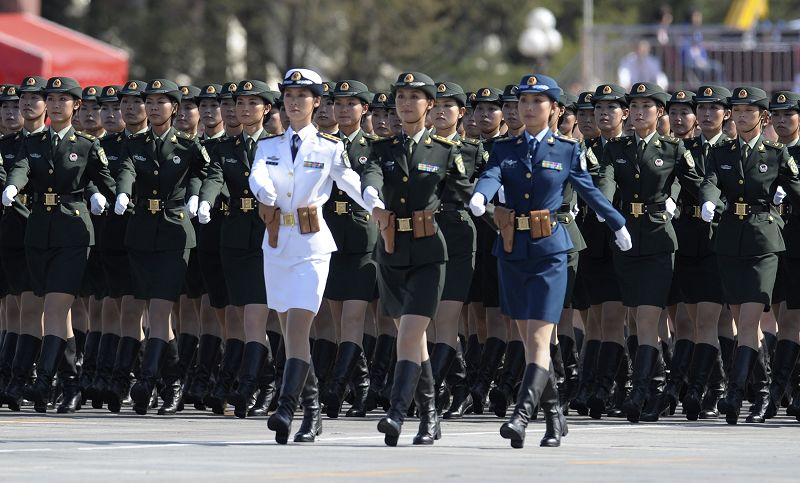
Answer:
[(59, 231), (380, 115), (747, 171), (643, 168), (510, 111), (411, 173), (242, 233), (167, 167), (33, 109), (292, 177), (351, 280), (532, 252)]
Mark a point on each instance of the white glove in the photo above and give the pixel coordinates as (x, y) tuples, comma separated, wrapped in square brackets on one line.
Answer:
[(372, 199), (671, 206), (121, 206), (600, 218), (575, 210), (204, 212), (501, 195), (707, 213), (98, 203), (9, 194), (780, 194), (477, 204), (623, 239), (191, 206)]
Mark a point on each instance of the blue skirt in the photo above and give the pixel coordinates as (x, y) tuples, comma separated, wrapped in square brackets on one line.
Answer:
[(533, 289)]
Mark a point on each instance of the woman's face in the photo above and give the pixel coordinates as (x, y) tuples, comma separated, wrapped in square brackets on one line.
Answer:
[(682, 120), (587, 124), (160, 109), (567, 123), (786, 123), (61, 107), (747, 117), (511, 115), (488, 115), (89, 115), (323, 116), (299, 103), (251, 110), (32, 106), (188, 117), (133, 110), (711, 115), (380, 122), (11, 116), (445, 113), (228, 109), (644, 114), (210, 113), (535, 110), (348, 112), (412, 105), (111, 117), (610, 116)]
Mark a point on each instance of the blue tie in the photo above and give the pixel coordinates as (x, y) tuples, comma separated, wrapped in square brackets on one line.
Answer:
[(532, 145), (295, 145)]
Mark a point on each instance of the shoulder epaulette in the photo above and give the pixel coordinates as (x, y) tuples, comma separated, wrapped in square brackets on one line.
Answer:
[(726, 142), (620, 139), (773, 144), (85, 135), (445, 141), (504, 139), (393, 139), (329, 137), (371, 137), (566, 138), (670, 139), (183, 135), (473, 141)]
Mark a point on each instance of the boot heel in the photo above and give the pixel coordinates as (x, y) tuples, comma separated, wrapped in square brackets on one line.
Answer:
[(509, 431)]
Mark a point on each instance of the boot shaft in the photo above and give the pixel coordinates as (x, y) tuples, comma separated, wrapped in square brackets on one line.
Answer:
[(406, 377)]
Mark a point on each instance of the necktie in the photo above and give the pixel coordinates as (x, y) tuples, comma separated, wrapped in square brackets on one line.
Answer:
[(409, 146), (640, 150), (56, 139), (347, 144), (533, 144), (295, 145), (706, 149), (745, 152), (250, 146), (159, 145)]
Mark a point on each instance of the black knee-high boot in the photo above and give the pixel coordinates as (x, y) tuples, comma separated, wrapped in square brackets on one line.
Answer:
[(534, 381), (554, 418), (267, 385), (502, 395), (703, 360), (346, 359), (588, 376), (91, 348), (441, 360), (49, 360), (457, 379), (381, 361), (106, 355), (120, 384), (424, 397), (176, 363), (243, 398), (68, 378), (646, 359), (231, 361), (359, 385), (759, 382), (8, 348), (323, 354), (311, 427), (208, 350), (491, 357), (569, 356), (786, 354), (295, 374), (406, 376), (743, 364), (142, 391), (681, 358), (608, 362), (26, 353)]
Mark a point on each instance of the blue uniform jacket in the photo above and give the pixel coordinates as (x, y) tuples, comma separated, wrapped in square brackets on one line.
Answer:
[(537, 184)]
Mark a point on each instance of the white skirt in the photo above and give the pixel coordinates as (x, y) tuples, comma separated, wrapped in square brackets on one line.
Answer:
[(295, 282)]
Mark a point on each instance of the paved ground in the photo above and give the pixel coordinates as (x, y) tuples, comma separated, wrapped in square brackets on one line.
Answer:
[(99, 446)]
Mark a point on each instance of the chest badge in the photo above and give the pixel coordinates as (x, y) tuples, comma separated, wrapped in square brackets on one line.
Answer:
[(659, 162), (73, 157), (176, 159), (362, 159), (428, 168), (762, 168), (552, 165)]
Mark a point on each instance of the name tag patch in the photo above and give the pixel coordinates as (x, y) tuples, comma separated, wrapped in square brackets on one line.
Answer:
[(35, 155), (313, 164), (726, 166), (428, 168), (138, 157), (552, 165), (271, 163), (508, 163), (620, 161)]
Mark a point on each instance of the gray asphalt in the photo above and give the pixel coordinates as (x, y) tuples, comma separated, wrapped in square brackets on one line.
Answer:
[(94, 445)]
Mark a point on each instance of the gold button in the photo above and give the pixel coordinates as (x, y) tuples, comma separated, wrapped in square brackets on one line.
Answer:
[(289, 195), (291, 173), (636, 175), (155, 172), (49, 171), (741, 217), (526, 196), (405, 179), (770, 218), (664, 217), (49, 190), (528, 175), (180, 215), (741, 199), (340, 192), (402, 200), (155, 192), (635, 196), (741, 181), (77, 213), (49, 208), (246, 192), (535, 218), (247, 173)]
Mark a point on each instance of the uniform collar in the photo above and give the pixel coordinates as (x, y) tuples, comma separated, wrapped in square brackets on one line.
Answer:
[(353, 136), (711, 141), (452, 136), (218, 135), (163, 137), (60, 133), (304, 133), (793, 142), (647, 139), (35, 131), (416, 137), (539, 136), (752, 143), (142, 131), (255, 137)]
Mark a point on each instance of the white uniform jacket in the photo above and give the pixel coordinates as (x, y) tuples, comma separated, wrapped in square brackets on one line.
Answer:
[(278, 180)]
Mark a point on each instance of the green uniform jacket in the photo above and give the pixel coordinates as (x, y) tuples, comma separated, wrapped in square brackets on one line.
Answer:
[(595, 233), (416, 183), (209, 235), (14, 218), (791, 232), (172, 176), (228, 176), (77, 162), (752, 181), (650, 180), (354, 231)]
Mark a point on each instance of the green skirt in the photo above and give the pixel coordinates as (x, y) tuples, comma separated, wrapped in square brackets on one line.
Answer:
[(644, 279), (748, 279)]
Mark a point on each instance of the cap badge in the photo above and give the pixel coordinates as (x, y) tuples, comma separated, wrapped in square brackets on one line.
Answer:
[(708, 92), (486, 93), (606, 89), (185, 91), (345, 86), (382, 98), (296, 76), (111, 91), (532, 81), (641, 88), (133, 86), (248, 86), (781, 98), (680, 95), (91, 91), (408, 78), (211, 90), (12, 91), (441, 88), (742, 93), (232, 87), (57, 83), (588, 97), (30, 81), (156, 84)]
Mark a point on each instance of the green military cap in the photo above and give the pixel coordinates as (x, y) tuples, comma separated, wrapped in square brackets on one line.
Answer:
[(568, 101), (209, 91), (648, 90), (488, 94), (33, 83), (784, 100), (9, 92), (109, 94), (133, 88), (327, 88), (379, 100), (352, 88), (416, 80), (189, 93), (451, 90), (749, 96), (228, 89), (304, 78), (682, 97), (278, 103), (471, 99), (712, 94), (390, 102), (90, 93), (63, 85), (610, 92), (584, 100), (255, 88), (165, 87), (510, 93)]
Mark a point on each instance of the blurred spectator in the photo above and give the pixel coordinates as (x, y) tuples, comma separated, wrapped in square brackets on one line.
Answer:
[(641, 66), (700, 67)]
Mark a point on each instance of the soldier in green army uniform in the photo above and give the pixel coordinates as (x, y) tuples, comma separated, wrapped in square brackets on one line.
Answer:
[(13, 224), (785, 110), (380, 115), (59, 163), (566, 123), (188, 118), (746, 171), (510, 111), (409, 175), (351, 279), (643, 168), (167, 167), (242, 233), (324, 118)]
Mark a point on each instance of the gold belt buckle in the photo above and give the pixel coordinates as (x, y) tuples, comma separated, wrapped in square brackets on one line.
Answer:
[(740, 209), (50, 199), (637, 209), (698, 212), (153, 206), (523, 223), (340, 207), (23, 199), (288, 219), (247, 204), (781, 210), (404, 224)]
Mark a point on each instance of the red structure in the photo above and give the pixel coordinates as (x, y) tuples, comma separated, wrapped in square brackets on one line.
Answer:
[(31, 45)]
